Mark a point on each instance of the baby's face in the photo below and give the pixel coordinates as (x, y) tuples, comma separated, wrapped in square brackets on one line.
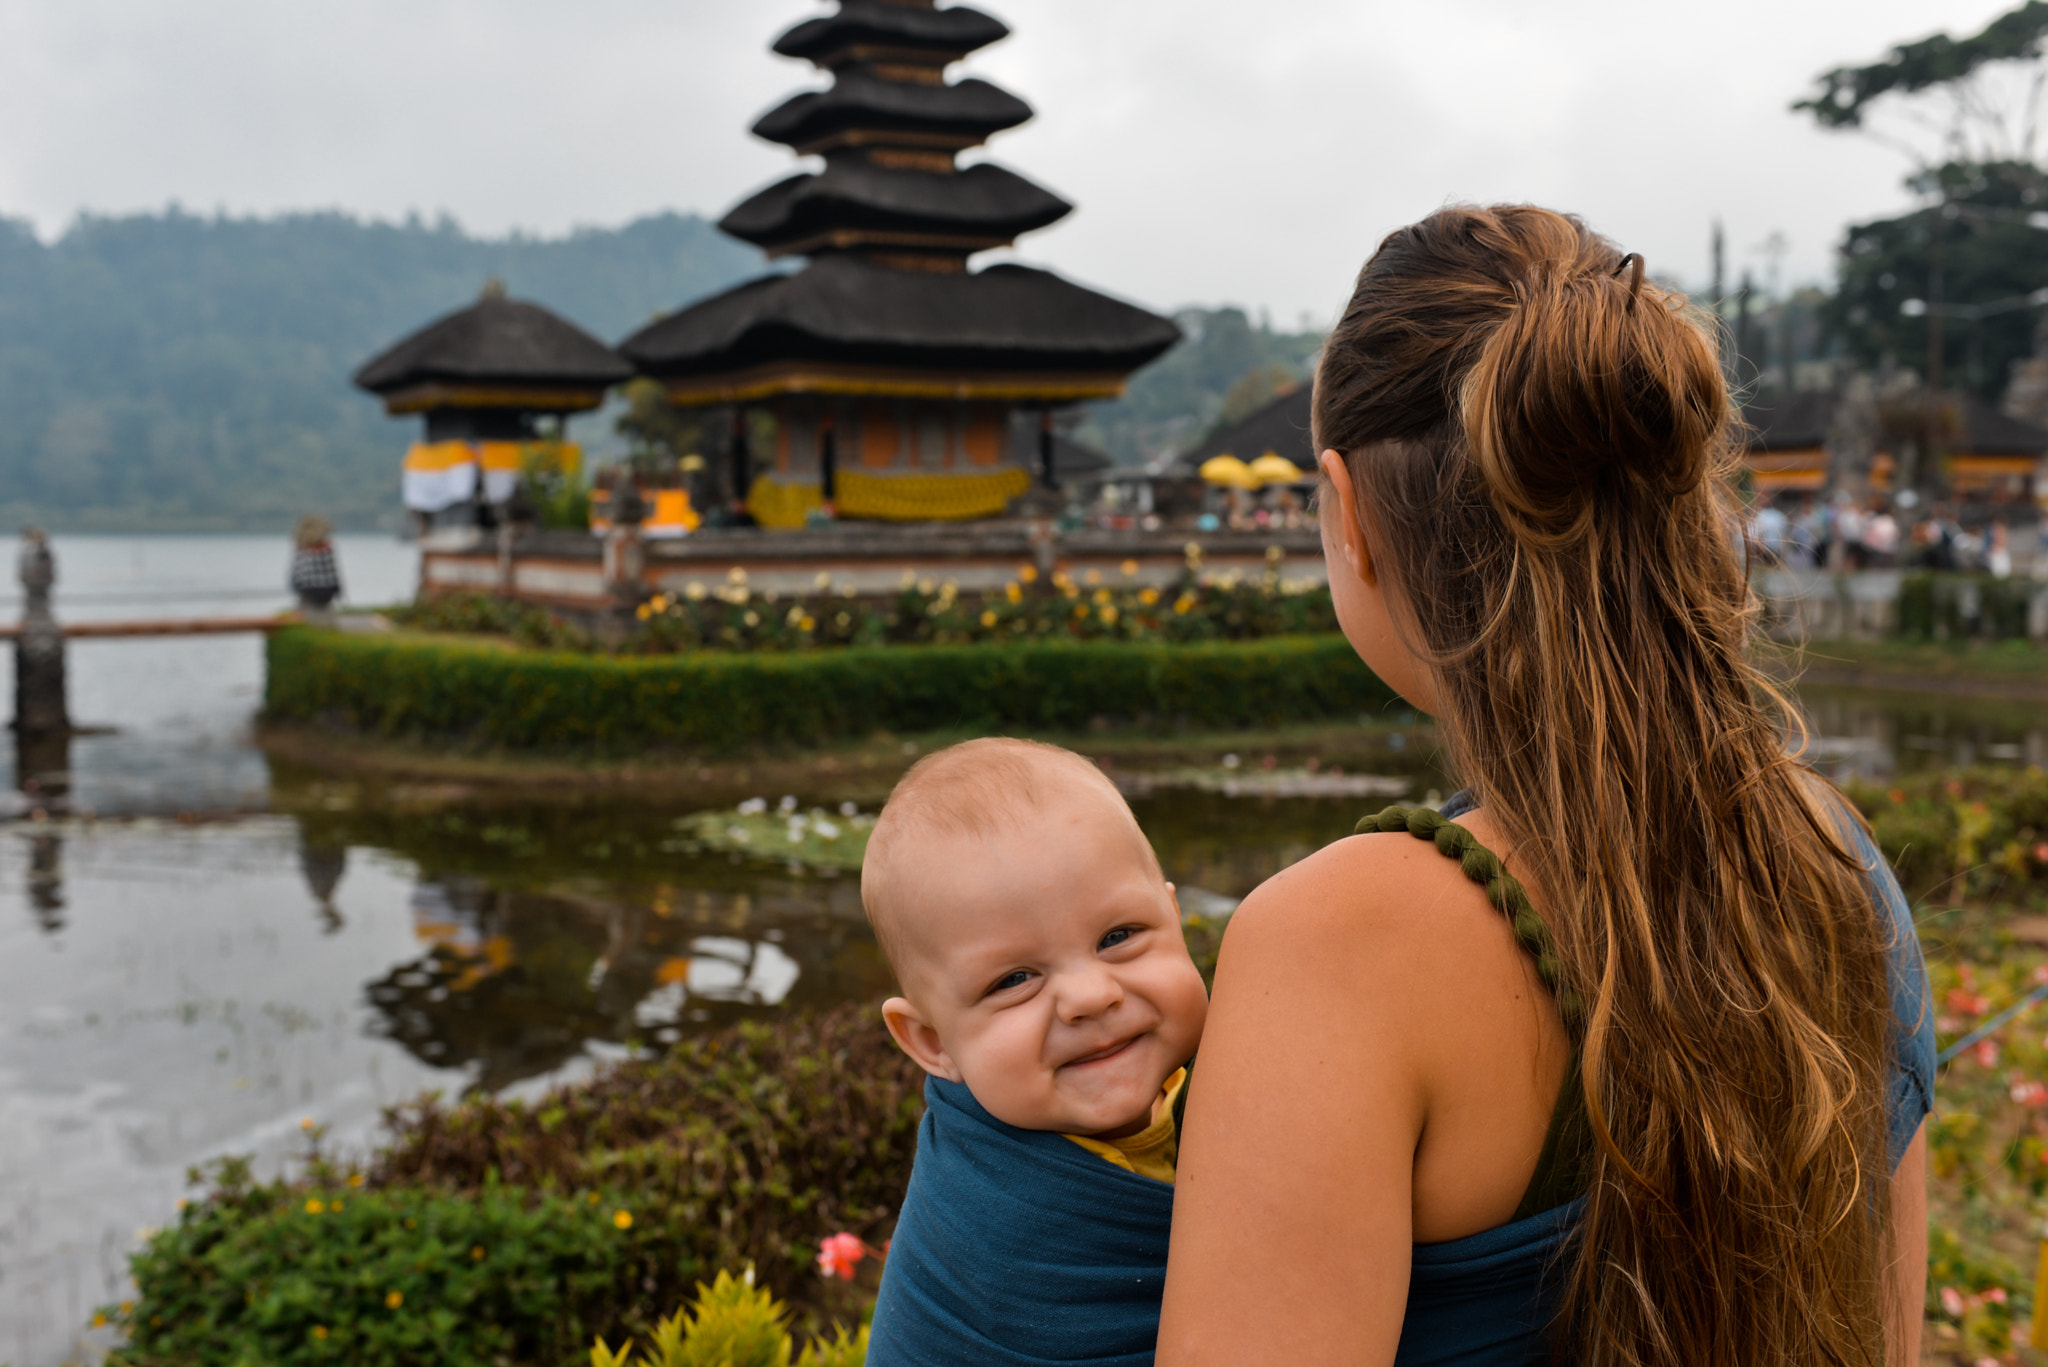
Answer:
[(1046, 971)]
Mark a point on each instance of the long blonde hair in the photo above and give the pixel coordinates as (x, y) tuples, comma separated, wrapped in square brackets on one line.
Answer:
[(1540, 440)]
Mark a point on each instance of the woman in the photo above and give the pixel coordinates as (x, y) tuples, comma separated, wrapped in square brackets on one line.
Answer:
[(1668, 1108)]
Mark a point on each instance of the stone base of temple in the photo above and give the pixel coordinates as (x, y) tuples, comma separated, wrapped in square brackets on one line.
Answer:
[(579, 574)]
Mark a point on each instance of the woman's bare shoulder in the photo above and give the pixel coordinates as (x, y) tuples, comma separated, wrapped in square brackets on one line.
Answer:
[(1366, 890)]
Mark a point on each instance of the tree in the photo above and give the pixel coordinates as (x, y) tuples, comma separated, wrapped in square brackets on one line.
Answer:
[(1949, 286)]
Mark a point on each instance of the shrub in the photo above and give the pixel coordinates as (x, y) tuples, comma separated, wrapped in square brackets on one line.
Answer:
[(1942, 607), (733, 1324), (594, 1210), (474, 692), (1958, 832)]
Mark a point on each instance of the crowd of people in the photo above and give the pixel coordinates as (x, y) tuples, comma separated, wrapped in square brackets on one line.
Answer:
[(1879, 533)]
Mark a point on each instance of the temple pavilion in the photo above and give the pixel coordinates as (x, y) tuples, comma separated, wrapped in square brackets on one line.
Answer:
[(484, 379), (903, 384)]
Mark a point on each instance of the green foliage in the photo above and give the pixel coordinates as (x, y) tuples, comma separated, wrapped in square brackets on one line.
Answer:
[(733, 1323), (280, 1273), (515, 1232), (1978, 832), (1945, 607), (486, 614), (1178, 398), (455, 690), (1847, 92), (1987, 253), (173, 371)]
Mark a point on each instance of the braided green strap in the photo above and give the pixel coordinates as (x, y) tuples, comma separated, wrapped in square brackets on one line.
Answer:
[(1503, 889)]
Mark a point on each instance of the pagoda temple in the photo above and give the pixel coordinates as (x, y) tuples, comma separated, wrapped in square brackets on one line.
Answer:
[(483, 378), (903, 385)]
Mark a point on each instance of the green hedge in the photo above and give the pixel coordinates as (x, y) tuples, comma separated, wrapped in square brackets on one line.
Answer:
[(1941, 607), (447, 689)]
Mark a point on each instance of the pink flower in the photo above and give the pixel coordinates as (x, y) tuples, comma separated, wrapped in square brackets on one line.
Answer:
[(2030, 1093), (840, 1254), (1952, 1302), (1986, 1051), (1995, 1296)]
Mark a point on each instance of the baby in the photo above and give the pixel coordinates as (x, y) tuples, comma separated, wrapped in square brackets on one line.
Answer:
[(1048, 993)]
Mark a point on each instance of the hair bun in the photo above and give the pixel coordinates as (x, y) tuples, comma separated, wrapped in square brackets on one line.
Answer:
[(1593, 382)]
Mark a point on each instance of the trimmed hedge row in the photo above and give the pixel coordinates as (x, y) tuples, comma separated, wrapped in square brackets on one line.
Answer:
[(449, 689)]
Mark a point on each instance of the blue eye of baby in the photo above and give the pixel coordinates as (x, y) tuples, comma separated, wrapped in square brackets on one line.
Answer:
[(1115, 937), (1017, 979)]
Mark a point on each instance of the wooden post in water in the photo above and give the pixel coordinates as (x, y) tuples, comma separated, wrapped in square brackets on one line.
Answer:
[(39, 707)]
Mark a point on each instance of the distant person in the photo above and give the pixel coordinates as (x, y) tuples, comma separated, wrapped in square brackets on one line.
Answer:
[(1880, 537), (1805, 538), (1848, 537), (1767, 532), (315, 575), (1998, 551)]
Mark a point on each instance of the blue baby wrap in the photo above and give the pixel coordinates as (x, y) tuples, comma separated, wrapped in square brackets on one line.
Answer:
[(1018, 1248)]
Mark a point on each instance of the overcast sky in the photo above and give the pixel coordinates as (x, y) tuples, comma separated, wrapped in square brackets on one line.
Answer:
[(1218, 150)]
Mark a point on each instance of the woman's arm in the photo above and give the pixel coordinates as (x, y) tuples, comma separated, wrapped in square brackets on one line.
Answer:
[(1291, 1217), (1909, 1251)]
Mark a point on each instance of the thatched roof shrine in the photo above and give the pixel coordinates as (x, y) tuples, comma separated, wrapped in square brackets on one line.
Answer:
[(497, 353)]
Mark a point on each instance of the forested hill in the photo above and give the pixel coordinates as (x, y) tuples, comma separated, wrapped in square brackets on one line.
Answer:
[(172, 372)]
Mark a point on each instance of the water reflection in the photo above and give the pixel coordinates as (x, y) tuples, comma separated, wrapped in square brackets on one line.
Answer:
[(45, 880), (1865, 734), (323, 865)]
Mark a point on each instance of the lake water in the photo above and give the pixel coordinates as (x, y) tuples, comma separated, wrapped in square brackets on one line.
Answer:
[(228, 947)]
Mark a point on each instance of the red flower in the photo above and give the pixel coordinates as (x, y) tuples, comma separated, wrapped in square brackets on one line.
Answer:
[(840, 1254)]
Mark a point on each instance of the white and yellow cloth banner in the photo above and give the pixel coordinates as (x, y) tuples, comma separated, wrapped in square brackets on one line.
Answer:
[(441, 474)]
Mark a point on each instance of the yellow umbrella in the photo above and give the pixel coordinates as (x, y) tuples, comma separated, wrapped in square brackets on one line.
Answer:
[(1273, 468), (1229, 472)]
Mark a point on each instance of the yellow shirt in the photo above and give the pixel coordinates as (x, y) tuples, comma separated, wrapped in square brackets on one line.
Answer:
[(1152, 1151)]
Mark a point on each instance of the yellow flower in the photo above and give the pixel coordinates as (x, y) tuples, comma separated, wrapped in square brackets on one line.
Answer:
[(594, 1198), (694, 591), (988, 617), (1183, 603), (623, 1219), (307, 1123), (1014, 592), (355, 1179), (99, 1319), (1102, 595), (1130, 569), (1148, 596), (320, 1331), (394, 1300), (752, 618), (659, 602), (823, 580), (1108, 613), (313, 1206), (643, 612), (736, 575), (477, 1253), (1093, 577), (1080, 611), (337, 1203), (1028, 573), (809, 623), (127, 1307)]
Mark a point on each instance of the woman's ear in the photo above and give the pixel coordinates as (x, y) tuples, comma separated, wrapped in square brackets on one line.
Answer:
[(1349, 540), (916, 1037)]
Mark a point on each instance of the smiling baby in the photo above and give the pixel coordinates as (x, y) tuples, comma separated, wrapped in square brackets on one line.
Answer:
[(1048, 994)]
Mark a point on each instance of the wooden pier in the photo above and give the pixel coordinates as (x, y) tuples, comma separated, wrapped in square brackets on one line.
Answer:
[(166, 626)]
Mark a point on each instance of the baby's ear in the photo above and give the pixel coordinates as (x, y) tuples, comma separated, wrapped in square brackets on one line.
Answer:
[(915, 1036)]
